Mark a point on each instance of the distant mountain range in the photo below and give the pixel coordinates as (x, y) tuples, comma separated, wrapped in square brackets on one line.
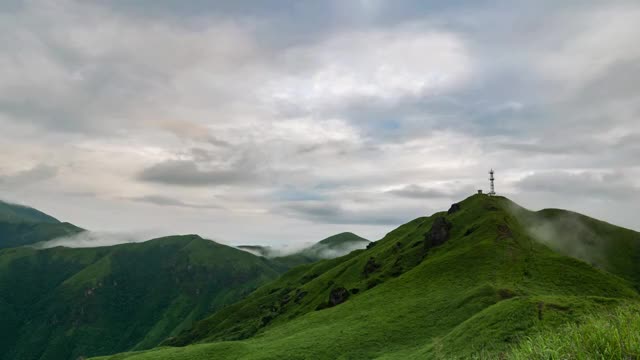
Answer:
[(69, 303), (22, 225), (331, 247), (470, 282)]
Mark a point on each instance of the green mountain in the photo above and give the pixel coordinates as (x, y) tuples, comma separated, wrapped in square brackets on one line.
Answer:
[(471, 282), (63, 303), (22, 225), (331, 247)]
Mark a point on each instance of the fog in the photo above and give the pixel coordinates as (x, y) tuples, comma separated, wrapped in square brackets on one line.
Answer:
[(95, 239), (565, 232)]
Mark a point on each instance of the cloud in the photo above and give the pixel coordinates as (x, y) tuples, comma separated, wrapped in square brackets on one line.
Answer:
[(414, 191), (379, 64), (187, 173), (40, 172), (334, 213), (190, 130), (95, 239), (581, 184), (168, 201)]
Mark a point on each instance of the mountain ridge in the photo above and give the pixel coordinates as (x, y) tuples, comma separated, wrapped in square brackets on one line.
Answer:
[(468, 281), (22, 225), (73, 302)]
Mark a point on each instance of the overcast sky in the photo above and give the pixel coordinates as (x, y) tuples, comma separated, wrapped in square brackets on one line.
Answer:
[(287, 121)]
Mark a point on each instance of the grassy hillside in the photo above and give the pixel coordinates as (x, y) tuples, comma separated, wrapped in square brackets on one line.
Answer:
[(63, 303), (21, 225), (468, 282), (606, 335), (601, 244), (19, 213)]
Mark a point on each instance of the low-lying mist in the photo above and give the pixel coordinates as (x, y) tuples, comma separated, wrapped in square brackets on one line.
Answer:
[(318, 251), (565, 232), (88, 239)]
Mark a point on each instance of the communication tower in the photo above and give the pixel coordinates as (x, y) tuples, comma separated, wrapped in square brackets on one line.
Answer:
[(492, 192)]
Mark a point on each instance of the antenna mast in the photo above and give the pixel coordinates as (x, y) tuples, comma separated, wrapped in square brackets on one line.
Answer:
[(491, 179)]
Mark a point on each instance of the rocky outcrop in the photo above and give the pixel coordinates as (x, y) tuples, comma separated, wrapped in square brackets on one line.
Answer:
[(454, 209), (370, 267), (438, 234), (338, 296)]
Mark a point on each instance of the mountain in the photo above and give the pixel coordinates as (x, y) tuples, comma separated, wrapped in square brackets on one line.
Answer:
[(601, 244), (341, 244), (19, 213), (331, 247), (470, 282), (22, 225), (63, 303)]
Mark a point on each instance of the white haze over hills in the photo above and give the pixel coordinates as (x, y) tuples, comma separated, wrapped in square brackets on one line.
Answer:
[(87, 239)]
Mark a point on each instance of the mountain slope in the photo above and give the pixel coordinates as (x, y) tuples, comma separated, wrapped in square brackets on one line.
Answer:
[(63, 303), (471, 281), (20, 213), (331, 247), (601, 244), (22, 225)]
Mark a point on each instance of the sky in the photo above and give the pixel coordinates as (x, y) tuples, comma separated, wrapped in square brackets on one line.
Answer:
[(284, 122)]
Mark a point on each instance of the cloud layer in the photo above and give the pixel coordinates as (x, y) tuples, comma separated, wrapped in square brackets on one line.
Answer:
[(290, 122)]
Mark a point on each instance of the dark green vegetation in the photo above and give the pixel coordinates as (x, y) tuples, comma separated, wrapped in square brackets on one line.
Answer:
[(471, 282), (21, 225), (63, 303)]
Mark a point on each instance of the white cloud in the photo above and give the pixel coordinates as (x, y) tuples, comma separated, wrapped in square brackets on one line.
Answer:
[(386, 64)]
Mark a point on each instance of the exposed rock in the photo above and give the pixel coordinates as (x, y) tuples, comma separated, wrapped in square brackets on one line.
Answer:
[(285, 300), (338, 296), (266, 320), (371, 267), (504, 232), (373, 283), (438, 234), (454, 208), (506, 294), (300, 295)]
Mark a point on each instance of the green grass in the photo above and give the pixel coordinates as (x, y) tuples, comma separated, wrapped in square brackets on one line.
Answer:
[(481, 293), (21, 225), (19, 213), (63, 303), (613, 335)]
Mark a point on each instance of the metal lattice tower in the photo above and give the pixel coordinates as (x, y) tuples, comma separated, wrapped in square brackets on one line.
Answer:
[(491, 179)]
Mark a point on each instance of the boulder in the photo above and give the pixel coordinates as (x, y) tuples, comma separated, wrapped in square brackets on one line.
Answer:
[(338, 296), (438, 234), (370, 267)]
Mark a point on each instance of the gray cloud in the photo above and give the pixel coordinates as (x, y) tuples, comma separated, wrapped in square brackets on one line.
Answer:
[(582, 184), (414, 191), (334, 213), (187, 173), (38, 173), (169, 201)]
